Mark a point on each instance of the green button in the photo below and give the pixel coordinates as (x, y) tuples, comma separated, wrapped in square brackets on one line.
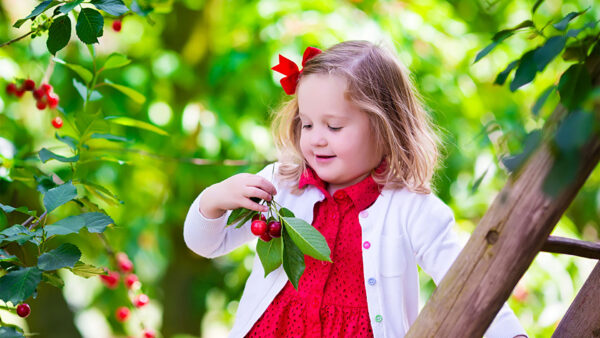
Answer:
[(378, 318)]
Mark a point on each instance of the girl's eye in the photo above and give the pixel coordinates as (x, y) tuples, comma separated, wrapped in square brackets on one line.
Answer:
[(335, 129), (306, 126)]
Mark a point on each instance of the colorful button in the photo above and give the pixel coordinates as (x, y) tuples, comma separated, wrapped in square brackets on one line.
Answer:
[(372, 281), (378, 318), (366, 245), (364, 214), (323, 263), (338, 195)]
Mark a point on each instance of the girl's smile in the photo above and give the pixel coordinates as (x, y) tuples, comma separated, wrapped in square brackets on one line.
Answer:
[(336, 138)]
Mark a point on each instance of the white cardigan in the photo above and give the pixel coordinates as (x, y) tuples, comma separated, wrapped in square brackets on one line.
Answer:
[(400, 230)]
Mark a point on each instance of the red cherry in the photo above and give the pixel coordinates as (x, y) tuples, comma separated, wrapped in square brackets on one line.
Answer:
[(141, 300), (23, 310), (274, 229), (111, 280), (124, 263), (266, 237), (28, 85), (52, 100), (41, 104), (46, 88), (19, 93), (130, 280), (116, 25), (11, 88), (57, 122), (258, 227), (149, 333), (259, 216), (38, 93), (122, 313)]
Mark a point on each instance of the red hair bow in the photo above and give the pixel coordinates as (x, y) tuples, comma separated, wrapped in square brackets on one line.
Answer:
[(288, 68)]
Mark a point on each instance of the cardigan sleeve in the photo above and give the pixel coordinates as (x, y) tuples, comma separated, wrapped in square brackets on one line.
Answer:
[(210, 237), (436, 246)]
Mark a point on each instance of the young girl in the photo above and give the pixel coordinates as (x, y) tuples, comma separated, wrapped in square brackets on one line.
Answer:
[(356, 156)]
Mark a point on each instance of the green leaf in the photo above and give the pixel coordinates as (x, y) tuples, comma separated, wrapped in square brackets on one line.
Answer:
[(58, 196), (562, 24), (110, 137), (293, 259), (90, 25), (549, 51), (59, 34), (66, 255), (46, 155), (478, 181), (501, 36), (41, 8), (574, 131), (96, 222), (285, 212), (574, 86), (82, 90), (135, 7), (526, 71), (132, 93), (86, 270), (514, 162), (69, 6), (127, 121), (238, 214), (65, 226), (116, 60), (16, 233), (52, 279), (83, 72), (18, 285), (247, 218), (24, 210), (539, 103), (270, 254), (308, 239), (113, 7), (101, 189), (10, 332), (501, 78), (68, 140), (18, 24)]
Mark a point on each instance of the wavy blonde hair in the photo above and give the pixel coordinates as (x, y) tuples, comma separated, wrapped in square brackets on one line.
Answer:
[(379, 85)]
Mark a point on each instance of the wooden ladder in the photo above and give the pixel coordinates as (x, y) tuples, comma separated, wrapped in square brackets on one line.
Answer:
[(514, 229)]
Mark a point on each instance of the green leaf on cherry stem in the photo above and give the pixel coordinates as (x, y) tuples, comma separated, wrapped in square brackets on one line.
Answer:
[(66, 8), (239, 214), (270, 253), (59, 34), (68, 140), (18, 285), (46, 155), (85, 270), (308, 239), (293, 259), (129, 122), (58, 196), (66, 255), (83, 72), (52, 279), (6, 257), (116, 60), (16, 233), (90, 24), (24, 210), (113, 7), (83, 91)]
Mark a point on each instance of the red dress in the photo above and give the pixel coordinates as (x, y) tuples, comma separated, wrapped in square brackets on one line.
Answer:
[(331, 299)]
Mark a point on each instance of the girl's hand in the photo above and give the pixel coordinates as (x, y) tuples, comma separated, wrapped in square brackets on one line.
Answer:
[(235, 192)]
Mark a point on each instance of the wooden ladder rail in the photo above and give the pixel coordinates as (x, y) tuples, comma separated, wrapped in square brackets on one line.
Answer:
[(511, 233)]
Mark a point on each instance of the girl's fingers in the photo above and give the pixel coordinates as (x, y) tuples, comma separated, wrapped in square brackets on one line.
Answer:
[(264, 184), (249, 204), (256, 192)]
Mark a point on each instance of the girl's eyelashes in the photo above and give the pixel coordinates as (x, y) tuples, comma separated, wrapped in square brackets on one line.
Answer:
[(308, 126), (335, 128)]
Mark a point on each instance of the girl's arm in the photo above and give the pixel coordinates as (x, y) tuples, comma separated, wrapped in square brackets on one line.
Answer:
[(436, 246), (204, 229)]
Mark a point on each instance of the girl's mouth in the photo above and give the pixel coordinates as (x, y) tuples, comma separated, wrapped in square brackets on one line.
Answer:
[(322, 158)]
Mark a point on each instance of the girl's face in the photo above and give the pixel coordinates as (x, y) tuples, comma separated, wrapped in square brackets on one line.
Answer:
[(336, 138)]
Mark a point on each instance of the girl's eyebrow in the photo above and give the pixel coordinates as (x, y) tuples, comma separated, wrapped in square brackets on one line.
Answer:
[(327, 116)]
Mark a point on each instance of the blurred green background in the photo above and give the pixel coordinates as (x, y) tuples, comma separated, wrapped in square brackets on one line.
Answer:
[(204, 67)]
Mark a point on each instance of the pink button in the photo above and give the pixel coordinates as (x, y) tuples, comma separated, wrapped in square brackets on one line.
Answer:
[(323, 262), (364, 214), (338, 194), (366, 245)]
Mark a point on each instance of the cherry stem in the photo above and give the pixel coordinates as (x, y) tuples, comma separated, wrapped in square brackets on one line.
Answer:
[(15, 39)]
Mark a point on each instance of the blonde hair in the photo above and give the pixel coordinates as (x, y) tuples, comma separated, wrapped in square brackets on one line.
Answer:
[(379, 85)]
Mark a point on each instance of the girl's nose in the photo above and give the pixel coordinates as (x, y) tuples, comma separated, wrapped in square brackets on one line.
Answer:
[(318, 140)]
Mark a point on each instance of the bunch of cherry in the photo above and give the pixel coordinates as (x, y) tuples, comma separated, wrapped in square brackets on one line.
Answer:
[(132, 283), (44, 96), (265, 230)]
